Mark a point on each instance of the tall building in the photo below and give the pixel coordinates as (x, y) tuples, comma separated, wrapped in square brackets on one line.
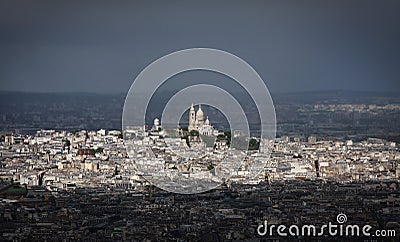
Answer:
[(196, 122)]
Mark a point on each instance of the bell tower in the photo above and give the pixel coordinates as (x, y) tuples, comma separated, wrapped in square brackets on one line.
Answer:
[(192, 118)]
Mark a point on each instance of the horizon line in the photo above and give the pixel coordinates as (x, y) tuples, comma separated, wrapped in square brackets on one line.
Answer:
[(122, 92)]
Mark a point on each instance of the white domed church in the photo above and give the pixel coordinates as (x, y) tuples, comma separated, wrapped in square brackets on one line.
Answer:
[(196, 122)]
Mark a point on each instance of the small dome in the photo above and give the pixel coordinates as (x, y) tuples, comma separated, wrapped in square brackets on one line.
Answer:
[(156, 122), (207, 121)]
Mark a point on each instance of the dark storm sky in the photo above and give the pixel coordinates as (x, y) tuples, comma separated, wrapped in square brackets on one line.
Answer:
[(100, 46)]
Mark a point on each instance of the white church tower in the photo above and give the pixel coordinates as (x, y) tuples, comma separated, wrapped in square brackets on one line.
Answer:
[(192, 118)]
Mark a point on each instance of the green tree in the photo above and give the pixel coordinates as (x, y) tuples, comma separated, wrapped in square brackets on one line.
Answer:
[(67, 142), (194, 133), (99, 150), (228, 135), (221, 137), (254, 144)]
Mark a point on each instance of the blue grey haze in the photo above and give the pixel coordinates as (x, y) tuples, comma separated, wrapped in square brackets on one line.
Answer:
[(100, 46)]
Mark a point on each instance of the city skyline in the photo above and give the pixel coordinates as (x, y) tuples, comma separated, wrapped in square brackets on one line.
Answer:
[(199, 120)]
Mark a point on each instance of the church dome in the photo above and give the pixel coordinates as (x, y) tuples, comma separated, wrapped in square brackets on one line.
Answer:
[(200, 114), (207, 122)]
